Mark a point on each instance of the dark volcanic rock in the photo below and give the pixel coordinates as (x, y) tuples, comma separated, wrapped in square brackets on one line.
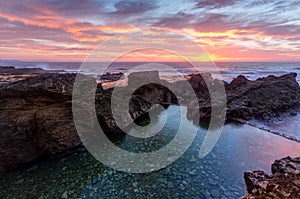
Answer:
[(41, 90), (35, 118), (55, 128), (18, 143), (12, 74), (11, 70), (36, 115), (286, 165), (263, 98), (110, 77), (284, 183)]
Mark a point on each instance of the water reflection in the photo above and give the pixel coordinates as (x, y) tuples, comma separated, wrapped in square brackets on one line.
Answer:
[(218, 175)]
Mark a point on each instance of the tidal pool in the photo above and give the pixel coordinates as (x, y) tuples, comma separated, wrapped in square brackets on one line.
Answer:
[(240, 148)]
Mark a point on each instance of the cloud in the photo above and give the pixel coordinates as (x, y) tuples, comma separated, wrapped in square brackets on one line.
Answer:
[(74, 25), (214, 3), (209, 22), (215, 22), (21, 9), (133, 7), (178, 20), (11, 30), (282, 30), (74, 8)]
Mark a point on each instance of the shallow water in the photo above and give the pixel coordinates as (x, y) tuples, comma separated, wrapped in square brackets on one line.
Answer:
[(218, 175), (289, 126)]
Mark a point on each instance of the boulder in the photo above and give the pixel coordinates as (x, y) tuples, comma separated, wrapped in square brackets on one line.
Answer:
[(286, 165), (36, 118), (264, 98), (283, 183), (36, 115)]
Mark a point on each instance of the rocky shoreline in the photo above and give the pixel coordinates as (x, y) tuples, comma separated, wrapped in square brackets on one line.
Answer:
[(283, 183), (36, 115), (12, 74), (36, 118)]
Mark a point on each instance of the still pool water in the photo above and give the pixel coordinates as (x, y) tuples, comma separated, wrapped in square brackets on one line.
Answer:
[(218, 175)]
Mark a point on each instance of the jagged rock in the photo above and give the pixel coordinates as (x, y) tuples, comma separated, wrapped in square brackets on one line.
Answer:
[(141, 100), (35, 118), (284, 183), (263, 98), (12, 74), (36, 115), (40, 90), (286, 165), (11, 70), (110, 77)]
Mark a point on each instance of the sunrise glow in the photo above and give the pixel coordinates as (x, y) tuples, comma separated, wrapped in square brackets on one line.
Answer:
[(227, 30)]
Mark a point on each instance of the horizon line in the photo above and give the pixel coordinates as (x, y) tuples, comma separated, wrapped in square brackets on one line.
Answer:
[(254, 61)]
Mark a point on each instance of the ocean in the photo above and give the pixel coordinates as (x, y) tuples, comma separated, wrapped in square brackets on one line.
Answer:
[(228, 70)]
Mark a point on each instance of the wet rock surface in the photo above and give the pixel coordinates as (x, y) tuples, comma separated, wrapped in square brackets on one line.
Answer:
[(283, 183)]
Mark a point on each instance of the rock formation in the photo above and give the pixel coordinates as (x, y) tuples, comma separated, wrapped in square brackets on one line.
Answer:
[(36, 116), (283, 183), (264, 98), (36, 113), (12, 74)]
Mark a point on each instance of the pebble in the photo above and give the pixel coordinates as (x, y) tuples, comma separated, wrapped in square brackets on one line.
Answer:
[(193, 159), (193, 172), (212, 182), (170, 185), (20, 181), (134, 184), (215, 193), (182, 187), (32, 168), (65, 195)]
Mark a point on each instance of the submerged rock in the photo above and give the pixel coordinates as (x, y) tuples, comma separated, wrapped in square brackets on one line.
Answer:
[(283, 183)]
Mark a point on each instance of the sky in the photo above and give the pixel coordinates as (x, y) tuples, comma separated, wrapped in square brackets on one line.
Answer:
[(228, 30)]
